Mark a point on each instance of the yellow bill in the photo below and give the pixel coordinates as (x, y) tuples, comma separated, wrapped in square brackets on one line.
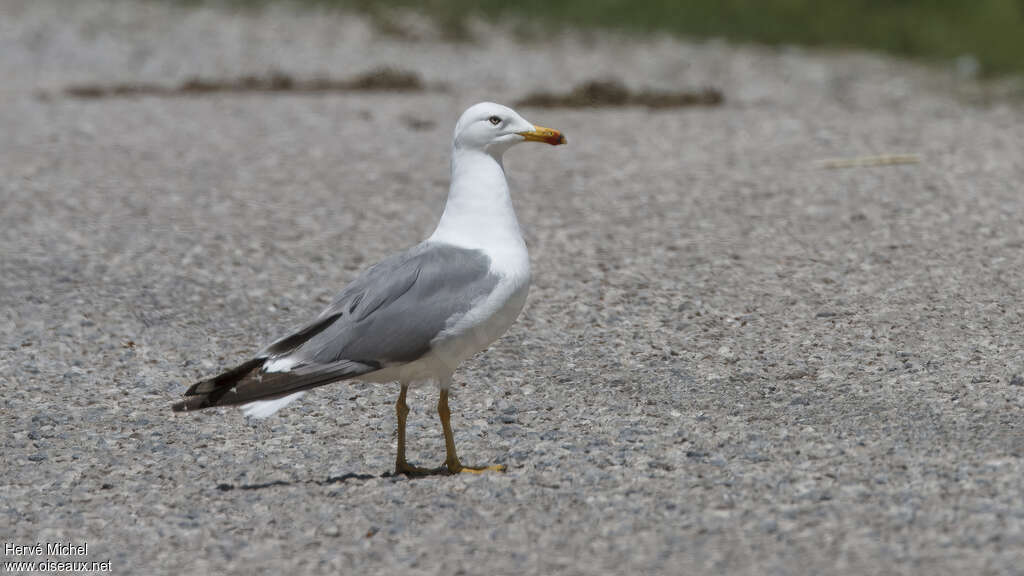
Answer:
[(542, 134)]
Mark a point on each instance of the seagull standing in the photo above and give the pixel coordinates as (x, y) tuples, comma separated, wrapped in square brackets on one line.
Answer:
[(416, 315)]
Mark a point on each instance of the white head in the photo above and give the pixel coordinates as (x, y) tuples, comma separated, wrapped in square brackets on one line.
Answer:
[(493, 128)]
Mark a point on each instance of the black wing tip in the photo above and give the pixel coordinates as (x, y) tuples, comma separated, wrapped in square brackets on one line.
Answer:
[(212, 391), (193, 399), (191, 403)]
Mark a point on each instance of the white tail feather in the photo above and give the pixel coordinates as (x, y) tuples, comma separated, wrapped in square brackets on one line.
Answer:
[(266, 408)]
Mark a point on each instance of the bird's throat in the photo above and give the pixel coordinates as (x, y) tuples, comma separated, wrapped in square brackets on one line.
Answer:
[(479, 211)]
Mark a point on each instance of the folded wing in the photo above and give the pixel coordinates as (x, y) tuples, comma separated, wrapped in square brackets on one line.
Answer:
[(391, 314)]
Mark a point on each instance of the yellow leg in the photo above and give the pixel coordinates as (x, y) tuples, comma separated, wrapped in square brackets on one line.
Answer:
[(451, 461), (401, 466)]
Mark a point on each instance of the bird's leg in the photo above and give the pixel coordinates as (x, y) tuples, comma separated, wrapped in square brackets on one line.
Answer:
[(401, 466), (452, 459)]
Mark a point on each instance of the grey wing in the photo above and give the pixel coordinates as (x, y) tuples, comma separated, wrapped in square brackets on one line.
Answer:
[(392, 312)]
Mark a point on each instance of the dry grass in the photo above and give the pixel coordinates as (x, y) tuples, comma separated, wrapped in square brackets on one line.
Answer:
[(379, 80), (612, 92)]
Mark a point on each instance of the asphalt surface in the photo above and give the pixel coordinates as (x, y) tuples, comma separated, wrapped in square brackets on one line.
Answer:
[(733, 359)]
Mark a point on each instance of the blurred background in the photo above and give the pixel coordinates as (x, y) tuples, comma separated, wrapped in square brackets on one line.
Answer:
[(987, 36)]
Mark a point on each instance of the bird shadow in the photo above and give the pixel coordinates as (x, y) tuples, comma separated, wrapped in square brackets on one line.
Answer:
[(340, 479), (343, 478)]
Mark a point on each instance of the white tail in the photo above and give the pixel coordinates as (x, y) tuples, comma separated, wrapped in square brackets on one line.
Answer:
[(265, 408)]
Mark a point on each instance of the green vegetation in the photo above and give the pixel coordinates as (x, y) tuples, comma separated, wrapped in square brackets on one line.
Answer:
[(992, 31)]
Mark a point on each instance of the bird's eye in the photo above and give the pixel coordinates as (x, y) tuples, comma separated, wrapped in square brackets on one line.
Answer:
[(494, 120)]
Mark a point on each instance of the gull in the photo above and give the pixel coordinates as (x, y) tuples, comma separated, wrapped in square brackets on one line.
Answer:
[(416, 315)]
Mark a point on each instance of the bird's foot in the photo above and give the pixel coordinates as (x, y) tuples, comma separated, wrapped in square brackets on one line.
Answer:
[(457, 468)]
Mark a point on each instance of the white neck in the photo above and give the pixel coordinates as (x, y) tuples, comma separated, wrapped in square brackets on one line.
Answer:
[(479, 213)]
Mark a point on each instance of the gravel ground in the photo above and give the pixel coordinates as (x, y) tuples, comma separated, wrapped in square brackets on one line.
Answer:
[(732, 360)]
